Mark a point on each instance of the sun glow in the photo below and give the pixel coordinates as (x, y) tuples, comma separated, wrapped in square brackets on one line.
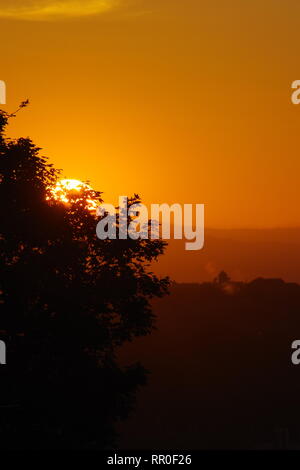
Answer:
[(66, 189)]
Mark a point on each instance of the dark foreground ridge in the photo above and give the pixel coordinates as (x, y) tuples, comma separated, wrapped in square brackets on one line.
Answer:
[(222, 375)]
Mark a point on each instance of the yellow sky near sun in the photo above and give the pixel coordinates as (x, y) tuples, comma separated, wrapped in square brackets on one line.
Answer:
[(180, 101)]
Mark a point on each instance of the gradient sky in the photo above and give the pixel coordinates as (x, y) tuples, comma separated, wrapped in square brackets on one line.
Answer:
[(178, 100)]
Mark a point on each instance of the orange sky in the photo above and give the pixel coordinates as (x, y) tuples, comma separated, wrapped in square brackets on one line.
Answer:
[(178, 100)]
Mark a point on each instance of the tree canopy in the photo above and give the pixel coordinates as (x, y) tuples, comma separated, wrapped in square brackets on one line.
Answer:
[(68, 300)]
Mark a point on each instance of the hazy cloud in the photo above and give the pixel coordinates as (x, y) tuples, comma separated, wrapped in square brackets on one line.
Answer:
[(55, 9)]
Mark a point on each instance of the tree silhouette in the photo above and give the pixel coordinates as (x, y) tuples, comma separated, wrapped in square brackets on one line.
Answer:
[(222, 278), (67, 301)]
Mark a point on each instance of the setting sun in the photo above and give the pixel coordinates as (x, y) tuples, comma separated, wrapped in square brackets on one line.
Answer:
[(65, 187)]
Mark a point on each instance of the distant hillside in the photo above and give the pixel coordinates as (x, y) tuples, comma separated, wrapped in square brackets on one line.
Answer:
[(244, 254), (220, 367)]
